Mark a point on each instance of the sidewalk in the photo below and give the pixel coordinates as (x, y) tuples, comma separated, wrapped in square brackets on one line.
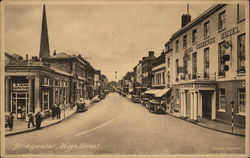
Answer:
[(214, 125), (21, 126)]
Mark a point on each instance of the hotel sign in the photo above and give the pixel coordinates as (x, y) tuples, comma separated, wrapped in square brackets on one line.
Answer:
[(198, 85), (230, 32), (20, 86), (205, 43)]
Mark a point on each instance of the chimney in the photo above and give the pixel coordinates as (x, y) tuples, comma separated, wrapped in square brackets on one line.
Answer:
[(185, 19), (151, 54), (27, 57), (54, 53)]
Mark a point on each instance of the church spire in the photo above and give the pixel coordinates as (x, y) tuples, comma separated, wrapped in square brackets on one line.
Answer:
[(44, 44)]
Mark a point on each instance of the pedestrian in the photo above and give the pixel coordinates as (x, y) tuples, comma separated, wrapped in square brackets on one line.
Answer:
[(58, 112), (53, 111), (39, 119), (31, 119), (10, 121), (172, 105)]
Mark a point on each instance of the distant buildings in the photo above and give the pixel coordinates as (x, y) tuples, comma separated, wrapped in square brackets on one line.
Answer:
[(204, 65)]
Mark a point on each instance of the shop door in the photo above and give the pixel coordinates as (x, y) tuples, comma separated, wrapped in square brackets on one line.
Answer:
[(206, 104), (19, 104)]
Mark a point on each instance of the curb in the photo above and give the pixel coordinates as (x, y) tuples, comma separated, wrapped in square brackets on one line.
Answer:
[(242, 135)]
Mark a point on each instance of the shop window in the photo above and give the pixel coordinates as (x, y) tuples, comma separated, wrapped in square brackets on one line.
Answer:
[(177, 45), (221, 20), (206, 63), (240, 12), (221, 62), (206, 29), (241, 54), (222, 100), (241, 101), (194, 36), (185, 41)]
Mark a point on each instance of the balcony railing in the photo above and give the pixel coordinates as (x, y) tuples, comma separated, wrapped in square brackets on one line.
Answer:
[(197, 77)]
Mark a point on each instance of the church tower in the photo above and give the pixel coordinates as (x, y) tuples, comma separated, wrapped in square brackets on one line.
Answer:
[(44, 43)]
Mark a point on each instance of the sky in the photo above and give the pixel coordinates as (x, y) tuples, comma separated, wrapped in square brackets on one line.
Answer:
[(111, 37)]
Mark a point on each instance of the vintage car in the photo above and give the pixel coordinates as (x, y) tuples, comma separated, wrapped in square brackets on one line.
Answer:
[(96, 99), (81, 105), (136, 99), (157, 106)]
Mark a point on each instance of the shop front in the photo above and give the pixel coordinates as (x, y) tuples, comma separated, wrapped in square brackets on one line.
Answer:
[(19, 95), (198, 99)]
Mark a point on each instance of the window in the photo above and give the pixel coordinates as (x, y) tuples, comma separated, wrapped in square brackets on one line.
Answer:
[(168, 79), (177, 45), (206, 62), (241, 101), (222, 100), (241, 54), (177, 66), (221, 62), (168, 62), (194, 65), (240, 12), (221, 20), (185, 41), (163, 78), (206, 29), (194, 36)]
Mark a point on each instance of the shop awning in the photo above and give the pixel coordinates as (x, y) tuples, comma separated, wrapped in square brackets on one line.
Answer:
[(161, 92), (150, 91)]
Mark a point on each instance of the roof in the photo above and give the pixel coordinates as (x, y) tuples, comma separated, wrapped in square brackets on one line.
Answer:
[(198, 19)]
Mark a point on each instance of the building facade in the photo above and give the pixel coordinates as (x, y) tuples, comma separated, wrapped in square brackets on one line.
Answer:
[(206, 83), (146, 69)]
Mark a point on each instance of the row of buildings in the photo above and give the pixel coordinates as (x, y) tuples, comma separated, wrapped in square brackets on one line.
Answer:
[(202, 68), (37, 83)]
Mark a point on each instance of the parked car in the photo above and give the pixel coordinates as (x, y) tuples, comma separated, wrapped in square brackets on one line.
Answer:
[(81, 105), (157, 106), (96, 99), (136, 98)]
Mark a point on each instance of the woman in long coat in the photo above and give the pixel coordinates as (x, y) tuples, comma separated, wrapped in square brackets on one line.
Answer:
[(10, 121), (39, 119)]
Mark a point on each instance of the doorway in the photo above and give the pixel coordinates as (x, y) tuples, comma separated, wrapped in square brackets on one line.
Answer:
[(206, 104), (19, 104)]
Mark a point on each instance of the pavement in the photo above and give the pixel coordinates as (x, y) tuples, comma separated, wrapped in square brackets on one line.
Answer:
[(213, 125), (21, 126)]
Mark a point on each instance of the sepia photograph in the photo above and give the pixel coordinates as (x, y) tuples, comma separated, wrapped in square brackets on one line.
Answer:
[(120, 78)]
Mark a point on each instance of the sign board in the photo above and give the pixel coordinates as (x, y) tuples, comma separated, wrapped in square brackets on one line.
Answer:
[(20, 86)]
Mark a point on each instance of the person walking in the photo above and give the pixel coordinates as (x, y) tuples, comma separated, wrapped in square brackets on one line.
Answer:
[(58, 112), (39, 119), (31, 119), (10, 121), (53, 111), (172, 105)]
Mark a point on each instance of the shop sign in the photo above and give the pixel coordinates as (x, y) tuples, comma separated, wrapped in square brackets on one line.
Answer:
[(204, 85), (20, 86), (205, 43), (230, 32)]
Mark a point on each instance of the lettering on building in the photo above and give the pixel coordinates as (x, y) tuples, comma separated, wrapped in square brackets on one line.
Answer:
[(230, 32), (20, 86), (205, 43), (204, 85)]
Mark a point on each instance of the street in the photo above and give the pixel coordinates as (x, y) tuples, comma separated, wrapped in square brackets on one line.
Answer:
[(116, 125)]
